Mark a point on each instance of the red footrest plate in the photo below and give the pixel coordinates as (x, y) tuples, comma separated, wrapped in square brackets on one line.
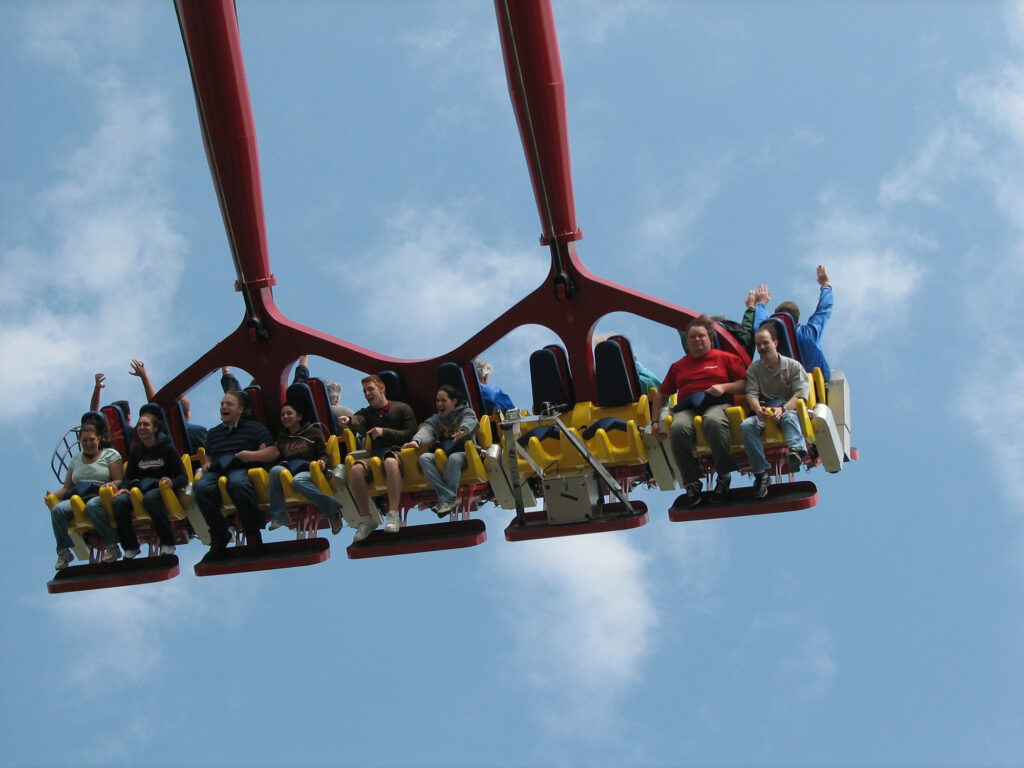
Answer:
[(783, 497), (123, 573), (615, 517), (269, 556), (431, 537)]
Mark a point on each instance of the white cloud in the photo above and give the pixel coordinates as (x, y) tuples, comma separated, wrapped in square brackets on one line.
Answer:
[(595, 20), (806, 669), (874, 268), (104, 261), (945, 153), (582, 622), (669, 227), (459, 48), (76, 34), (120, 633), (700, 553), (464, 281), (997, 414), (795, 653), (1000, 97), (997, 100)]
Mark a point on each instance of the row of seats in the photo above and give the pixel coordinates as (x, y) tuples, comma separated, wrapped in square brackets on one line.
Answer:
[(611, 429)]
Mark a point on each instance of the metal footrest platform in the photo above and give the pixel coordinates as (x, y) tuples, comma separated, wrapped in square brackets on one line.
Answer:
[(784, 497), (123, 573)]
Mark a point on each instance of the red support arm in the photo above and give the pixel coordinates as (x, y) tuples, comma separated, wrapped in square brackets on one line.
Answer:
[(537, 87), (209, 30)]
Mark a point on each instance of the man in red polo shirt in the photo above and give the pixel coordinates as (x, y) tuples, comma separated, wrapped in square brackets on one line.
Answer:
[(704, 382)]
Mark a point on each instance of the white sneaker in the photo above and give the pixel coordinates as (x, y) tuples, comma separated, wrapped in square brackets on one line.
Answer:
[(366, 527), (110, 554), (130, 553), (64, 558), (165, 549), (394, 521)]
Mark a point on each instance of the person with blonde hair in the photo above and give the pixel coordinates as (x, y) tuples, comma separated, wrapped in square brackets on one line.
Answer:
[(494, 399)]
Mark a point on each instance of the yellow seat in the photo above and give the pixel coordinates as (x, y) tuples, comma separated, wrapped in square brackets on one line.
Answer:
[(79, 523), (619, 448), (335, 445)]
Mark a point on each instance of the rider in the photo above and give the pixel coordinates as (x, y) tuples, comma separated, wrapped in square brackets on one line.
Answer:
[(777, 382), (232, 447), (389, 424), (704, 382), (449, 429)]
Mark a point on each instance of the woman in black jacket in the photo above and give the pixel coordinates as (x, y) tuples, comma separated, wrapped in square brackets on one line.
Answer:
[(151, 460)]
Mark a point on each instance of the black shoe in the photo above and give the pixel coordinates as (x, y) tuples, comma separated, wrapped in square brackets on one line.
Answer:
[(691, 498), (721, 493), (217, 547), (795, 459), (693, 494), (761, 482)]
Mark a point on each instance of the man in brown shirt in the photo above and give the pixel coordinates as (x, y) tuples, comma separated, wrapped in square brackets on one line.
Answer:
[(388, 424)]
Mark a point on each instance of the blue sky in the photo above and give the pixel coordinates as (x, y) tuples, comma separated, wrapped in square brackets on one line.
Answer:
[(715, 146)]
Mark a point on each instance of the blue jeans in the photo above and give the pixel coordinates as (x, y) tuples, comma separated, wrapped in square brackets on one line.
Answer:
[(207, 496), (154, 504), (447, 484), (61, 516), (751, 429), (303, 483)]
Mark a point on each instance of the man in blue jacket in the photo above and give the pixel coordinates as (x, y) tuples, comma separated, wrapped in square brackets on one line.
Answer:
[(808, 335)]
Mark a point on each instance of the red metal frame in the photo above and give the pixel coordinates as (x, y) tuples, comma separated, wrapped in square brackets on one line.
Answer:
[(569, 301)]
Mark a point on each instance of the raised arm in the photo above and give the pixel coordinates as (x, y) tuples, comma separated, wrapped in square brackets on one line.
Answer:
[(94, 404), (823, 276), (139, 369)]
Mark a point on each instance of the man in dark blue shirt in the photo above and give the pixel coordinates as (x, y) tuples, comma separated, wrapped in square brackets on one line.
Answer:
[(232, 448)]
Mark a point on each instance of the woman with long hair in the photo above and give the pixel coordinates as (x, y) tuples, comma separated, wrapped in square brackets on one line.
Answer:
[(93, 467)]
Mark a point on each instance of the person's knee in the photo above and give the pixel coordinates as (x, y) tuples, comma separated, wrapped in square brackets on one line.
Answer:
[(239, 485), (121, 506), (682, 433), (96, 512), (153, 501), (205, 486), (717, 430)]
